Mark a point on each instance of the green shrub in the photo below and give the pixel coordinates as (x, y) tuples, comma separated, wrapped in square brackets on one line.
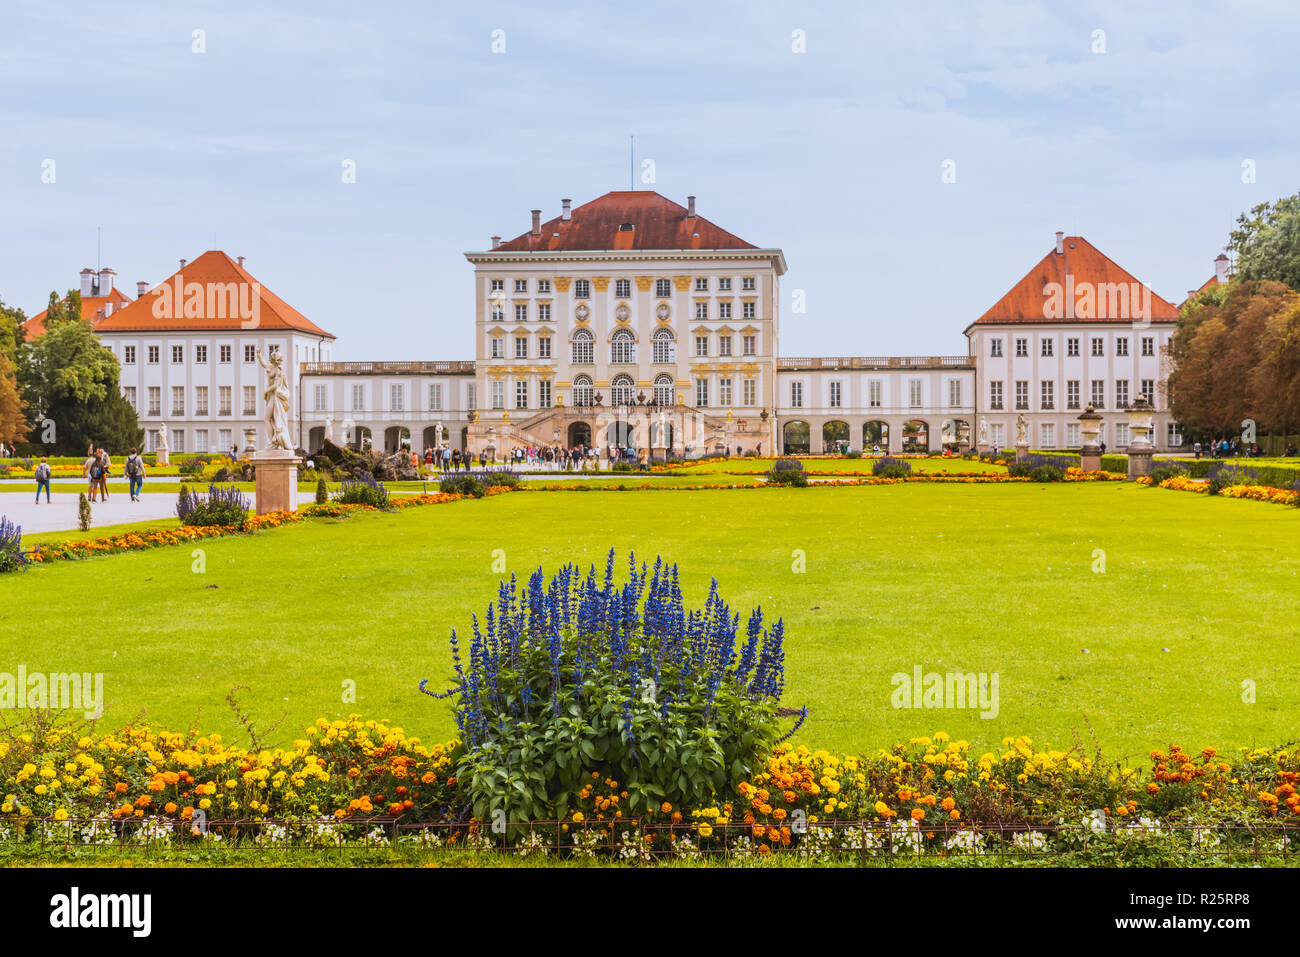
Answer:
[(224, 507), (853, 454), (1228, 475), (787, 472), (1163, 470), (1047, 473), (11, 547), (322, 492), (363, 491), (464, 484), (502, 479), (83, 513)]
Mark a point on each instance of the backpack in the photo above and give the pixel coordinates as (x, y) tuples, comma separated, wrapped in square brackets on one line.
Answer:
[(42, 473), (96, 470), (133, 466)]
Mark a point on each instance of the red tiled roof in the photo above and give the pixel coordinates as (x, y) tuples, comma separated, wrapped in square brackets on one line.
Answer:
[(1027, 301), (658, 223), (215, 267), (34, 327)]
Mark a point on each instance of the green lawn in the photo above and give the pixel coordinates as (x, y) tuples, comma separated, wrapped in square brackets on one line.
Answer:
[(1198, 595), (753, 465)]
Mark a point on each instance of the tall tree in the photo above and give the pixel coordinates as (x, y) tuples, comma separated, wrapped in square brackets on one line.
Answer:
[(13, 422), (1266, 242), (74, 382)]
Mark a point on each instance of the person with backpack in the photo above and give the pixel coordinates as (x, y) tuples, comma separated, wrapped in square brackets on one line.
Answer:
[(91, 470), (43, 481), (104, 465), (135, 474)]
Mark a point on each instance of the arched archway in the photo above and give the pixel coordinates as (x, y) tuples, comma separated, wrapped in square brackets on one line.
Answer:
[(464, 437), (395, 437), (795, 438), (619, 434), (361, 437), (916, 436), (875, 434), (435, 436), (954, 432), (315, 438), (835, 437), (579, 434), (661, 436)]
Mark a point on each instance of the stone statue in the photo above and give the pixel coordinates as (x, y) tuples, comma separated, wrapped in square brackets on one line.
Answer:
[(162, 438), (1022, 430), (277, 401), (329, 429), (984, 431)]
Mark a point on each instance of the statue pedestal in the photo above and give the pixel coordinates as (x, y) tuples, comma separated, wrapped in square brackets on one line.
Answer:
[(276, 480), (1139, 461), (1022, 451), (1090, 457), (162, 457), (984, 448)]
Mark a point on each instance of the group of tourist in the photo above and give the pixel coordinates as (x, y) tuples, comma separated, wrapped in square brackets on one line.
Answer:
[(96, 470), (1222, 448)]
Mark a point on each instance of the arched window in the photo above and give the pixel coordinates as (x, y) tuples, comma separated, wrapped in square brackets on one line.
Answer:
[(620, 390), (582, 384), (584, 348), (622, 347), (663, 389), (663, 347)]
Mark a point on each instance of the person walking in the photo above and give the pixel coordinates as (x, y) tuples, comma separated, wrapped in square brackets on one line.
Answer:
[(135, 474), (43, 481), (105, 465), (91, 469)]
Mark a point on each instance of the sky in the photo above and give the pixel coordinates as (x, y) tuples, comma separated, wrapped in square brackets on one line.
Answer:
[(912, 159)]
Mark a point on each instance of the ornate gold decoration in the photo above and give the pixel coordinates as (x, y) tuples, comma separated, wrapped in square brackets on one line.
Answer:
[(643, 283), (681, 283), (562, 283), (600, 283)]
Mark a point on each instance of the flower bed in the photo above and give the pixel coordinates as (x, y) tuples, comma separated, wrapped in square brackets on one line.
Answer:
[(1258, 493)]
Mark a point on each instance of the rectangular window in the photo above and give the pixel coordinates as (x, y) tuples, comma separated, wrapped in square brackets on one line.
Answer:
[(1047, 395), (129, 394), (201, 400), (153, 355), (521, 393), (701, 283), (250, 400), (200, 440), (724, 285), (250, 354), (543, 285), (521, 285), (954, 392), (521, 312), (1072, 393), (750, 391), (1073, 437), (201, 357), (747, 283), (224, 354), (701, 345), (995, 348), (1121, 434), (1098, 397), (1149, 391), (914, 391), (498, 285), (749, 344), (178, 355), (701, 393), (543, 347), (544, 394), (225, 437), (997, 432), (358, 398), (724, 392), (178, 440), (873, 393), (1022, 348), (471, 397), (1121, 346), (1097, 347), (724, 346), (1121, 393), (663, 288), (995, 394), (622, 288), (1149, 347), (435, 396), (128, 355), (724, 310), (1072, 346), (796, 395), (543, 312), (155, 400), (582, 289), (498, 394), (498, 347), (1173, 437), (397, 397), (834, 394), (1022, 395), (1045, 348), (748, 310), (223, 400), (521, 347), (1047, 435), (701, 310)]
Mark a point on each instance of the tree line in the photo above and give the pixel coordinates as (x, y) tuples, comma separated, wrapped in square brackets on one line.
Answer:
[(61, 392), (1236, 348)]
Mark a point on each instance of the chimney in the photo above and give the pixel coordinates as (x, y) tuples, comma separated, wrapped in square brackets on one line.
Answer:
[(141, 288), (1221, 268), (87, 282), (564, 205), (690, 206), (496, 241), (1060, 242), (241, 262), (183, 262), (537, 222), (106, 281)]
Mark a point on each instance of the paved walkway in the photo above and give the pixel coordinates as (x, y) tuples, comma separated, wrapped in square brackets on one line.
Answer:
[(61, 514)]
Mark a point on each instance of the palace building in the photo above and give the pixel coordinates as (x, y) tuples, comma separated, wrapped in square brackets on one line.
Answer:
[(633, 321)]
